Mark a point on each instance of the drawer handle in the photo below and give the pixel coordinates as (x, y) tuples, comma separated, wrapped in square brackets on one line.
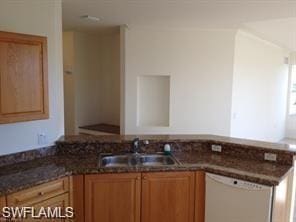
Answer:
[(41, 193)]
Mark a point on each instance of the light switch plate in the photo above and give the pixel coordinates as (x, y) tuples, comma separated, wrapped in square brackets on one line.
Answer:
[(217, 148), (270, 156)]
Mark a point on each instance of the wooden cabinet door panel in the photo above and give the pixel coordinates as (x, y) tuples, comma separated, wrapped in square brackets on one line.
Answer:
[(58, 201), (200, 188), (38, 193), (2, 204), (112, 197), (282, 199), (168, 197), (23, 77), (77, 197)]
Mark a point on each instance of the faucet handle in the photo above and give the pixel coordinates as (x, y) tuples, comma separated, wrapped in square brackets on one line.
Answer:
[(137, 145), (136, 141), (146, 142)]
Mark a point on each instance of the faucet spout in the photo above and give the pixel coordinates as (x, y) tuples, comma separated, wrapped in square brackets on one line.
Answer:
[(136, 145)]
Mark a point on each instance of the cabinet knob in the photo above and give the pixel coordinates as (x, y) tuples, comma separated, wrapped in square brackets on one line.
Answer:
[(145, 178), (41, 193), (138, 178)]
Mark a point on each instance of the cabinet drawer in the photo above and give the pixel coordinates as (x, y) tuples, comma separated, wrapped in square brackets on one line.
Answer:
[(39, 193), (57, 201)]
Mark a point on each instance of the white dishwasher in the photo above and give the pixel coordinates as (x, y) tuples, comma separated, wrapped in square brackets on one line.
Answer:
[(232, 200)]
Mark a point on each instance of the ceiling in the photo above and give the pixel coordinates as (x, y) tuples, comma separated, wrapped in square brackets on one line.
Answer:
[(274, 19), (280, 31)]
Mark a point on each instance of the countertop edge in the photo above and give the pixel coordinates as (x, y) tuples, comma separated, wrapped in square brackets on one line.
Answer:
[(272, 181)]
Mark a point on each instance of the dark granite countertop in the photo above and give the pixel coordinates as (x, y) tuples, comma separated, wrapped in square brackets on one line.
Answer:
[(76, 139), (26, 174), (73, 155)]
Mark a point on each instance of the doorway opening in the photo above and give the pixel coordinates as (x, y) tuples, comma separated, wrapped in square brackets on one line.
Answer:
[(92, 81)]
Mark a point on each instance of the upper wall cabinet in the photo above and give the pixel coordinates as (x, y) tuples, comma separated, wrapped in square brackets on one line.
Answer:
[(23, 78)]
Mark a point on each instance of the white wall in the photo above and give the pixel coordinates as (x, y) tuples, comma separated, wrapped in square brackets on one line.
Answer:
[(291, 127), (200, 65), (259, 89), (153, 101), (92, 92), (291, 119), (37, 18)]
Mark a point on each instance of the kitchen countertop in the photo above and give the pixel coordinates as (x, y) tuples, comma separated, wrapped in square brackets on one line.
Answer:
[(80, 139), (26, 174)]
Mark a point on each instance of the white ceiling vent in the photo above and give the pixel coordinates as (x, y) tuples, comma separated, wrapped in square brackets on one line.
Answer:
[(90, 18)]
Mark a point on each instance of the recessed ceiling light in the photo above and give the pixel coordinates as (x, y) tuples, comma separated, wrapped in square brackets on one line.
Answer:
[(91, 18)]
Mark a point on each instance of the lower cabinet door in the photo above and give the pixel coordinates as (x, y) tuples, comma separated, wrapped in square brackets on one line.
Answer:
[(2, 204), (168, 197), (61, 202), (113, 197)]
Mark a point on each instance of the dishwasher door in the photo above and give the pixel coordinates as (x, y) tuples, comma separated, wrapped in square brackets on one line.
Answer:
[(232, 200)]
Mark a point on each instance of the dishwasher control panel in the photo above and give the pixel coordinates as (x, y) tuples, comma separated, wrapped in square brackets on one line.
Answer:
[(237, 183)]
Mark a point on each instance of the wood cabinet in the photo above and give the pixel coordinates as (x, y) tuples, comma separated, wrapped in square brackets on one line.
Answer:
[(2, 202), (282, 200), (23, 74), (39, 193), (200, 191), (61, 201), (77, 197), (120, 197), (168, 197), (51, 194), (113, 197)]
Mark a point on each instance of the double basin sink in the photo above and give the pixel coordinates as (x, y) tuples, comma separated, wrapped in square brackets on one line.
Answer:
[(137, 160)]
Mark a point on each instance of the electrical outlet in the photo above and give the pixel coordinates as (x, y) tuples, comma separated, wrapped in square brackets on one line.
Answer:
[(270, 156), (41, 138), (217, 148)]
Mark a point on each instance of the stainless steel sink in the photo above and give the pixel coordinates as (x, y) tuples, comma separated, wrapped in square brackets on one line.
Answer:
[(137, 160), (157, 160), (114, 161)]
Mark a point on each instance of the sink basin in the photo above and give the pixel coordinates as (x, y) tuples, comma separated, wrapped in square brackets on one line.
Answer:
[(136, 160), (115, 161), (157, 160)]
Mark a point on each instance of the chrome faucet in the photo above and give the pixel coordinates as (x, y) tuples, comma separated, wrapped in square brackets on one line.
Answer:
[(136, 145)]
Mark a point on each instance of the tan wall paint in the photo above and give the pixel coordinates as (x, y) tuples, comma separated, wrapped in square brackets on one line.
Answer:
[(69, 83), (86, 71), (109, 75), (122, 77)]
